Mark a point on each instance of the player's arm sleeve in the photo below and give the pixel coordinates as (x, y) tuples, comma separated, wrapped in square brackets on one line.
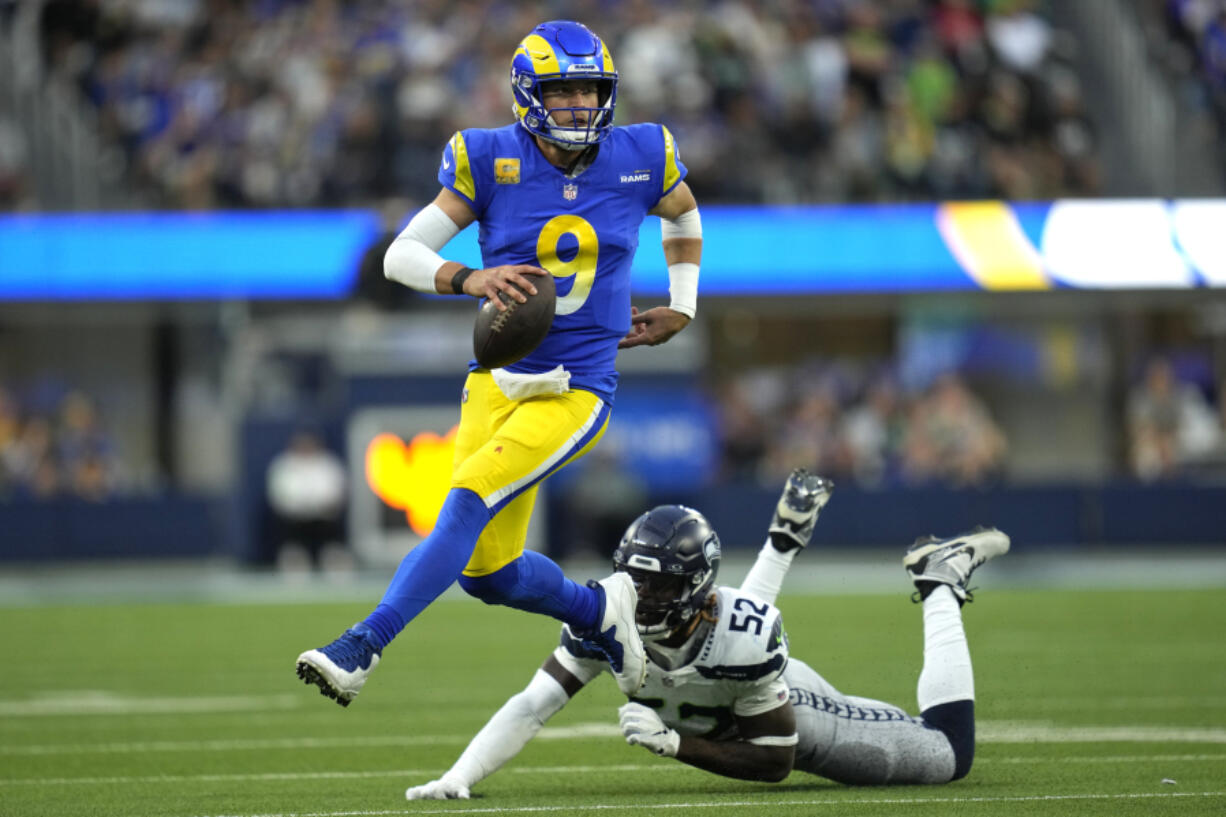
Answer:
[(413, 258), (680, 230), (510, 729)]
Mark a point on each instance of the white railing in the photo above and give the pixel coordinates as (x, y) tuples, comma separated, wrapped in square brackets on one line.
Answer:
[(70, 168), (1145, 115)]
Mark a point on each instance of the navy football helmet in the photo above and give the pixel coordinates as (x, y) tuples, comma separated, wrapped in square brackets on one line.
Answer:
[(672, 553), (560, 50)]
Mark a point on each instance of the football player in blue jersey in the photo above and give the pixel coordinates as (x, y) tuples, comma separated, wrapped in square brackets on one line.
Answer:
[(560, 192), (722, 693)]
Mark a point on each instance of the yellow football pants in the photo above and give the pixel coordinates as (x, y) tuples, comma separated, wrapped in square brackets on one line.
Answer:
[(504, 448)]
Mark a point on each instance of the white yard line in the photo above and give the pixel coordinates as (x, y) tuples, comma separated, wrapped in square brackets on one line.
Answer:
[(637, 768), (765, 801), (103, 702), (1046, 732)]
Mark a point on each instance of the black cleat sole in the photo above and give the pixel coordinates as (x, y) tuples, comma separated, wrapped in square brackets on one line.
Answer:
[(310, 675)]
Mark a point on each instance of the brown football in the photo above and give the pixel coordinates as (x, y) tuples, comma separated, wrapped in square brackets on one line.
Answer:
[(501, 338)]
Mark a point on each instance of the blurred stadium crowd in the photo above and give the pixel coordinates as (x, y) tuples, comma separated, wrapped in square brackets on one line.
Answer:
[(850, 422), (839, 423), (275, 103), (54, 443), (839, 418)]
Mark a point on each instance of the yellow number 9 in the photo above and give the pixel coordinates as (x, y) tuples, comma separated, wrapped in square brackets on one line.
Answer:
[(582, 266)]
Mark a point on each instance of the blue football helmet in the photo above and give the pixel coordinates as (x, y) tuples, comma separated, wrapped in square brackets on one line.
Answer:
[(559, 50), (672, 553)]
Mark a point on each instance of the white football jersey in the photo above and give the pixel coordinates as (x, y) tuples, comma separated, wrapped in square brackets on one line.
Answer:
[(738, 670)]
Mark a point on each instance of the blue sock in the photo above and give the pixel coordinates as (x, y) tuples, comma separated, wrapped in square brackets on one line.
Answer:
[(432, 566), (957, 720), (534, 583)]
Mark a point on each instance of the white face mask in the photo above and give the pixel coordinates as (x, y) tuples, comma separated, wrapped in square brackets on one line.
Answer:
[(577, 137)]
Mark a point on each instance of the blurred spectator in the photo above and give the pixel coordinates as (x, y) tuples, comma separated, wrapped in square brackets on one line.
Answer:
[(808, 438), (85, 451), (1018, 36), (10, 431), (1170, 424), (1213, 54), (307, 494), (873, 432), (958, 27), (31, 462), (951, 438), (318, 103)]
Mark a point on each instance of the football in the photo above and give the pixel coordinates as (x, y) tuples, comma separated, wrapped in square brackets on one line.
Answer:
[(501, 338)]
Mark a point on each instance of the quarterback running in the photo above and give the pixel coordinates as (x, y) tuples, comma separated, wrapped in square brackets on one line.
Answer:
[(561, 191), (722, 693)]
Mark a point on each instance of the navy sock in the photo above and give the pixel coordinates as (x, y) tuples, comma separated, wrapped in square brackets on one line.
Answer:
[(534, 583), (432, 566), (957, 720)]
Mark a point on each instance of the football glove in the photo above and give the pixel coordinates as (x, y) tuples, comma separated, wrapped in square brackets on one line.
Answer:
[(643, 727), (446, 787)]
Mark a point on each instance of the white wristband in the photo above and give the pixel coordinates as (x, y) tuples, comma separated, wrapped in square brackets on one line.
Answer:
[(683, 288), (413, 257)]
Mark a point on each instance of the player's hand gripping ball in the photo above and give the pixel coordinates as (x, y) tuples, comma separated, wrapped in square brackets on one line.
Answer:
[(501, 337)]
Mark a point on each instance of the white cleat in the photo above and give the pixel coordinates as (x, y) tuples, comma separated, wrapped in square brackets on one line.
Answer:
[(616, 637), (795, 515), (342, 667), (932, 561)]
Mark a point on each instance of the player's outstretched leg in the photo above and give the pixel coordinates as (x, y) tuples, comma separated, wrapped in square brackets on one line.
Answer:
[(940, 570), (803, 498), (804, 495), (932, 561), (341, 668), (615, 634)]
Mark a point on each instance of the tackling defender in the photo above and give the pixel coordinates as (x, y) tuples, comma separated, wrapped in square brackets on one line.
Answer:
[(721, 693), (560, 192)]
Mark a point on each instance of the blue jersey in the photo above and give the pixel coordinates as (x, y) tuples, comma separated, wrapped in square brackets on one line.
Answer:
[(583, 229)]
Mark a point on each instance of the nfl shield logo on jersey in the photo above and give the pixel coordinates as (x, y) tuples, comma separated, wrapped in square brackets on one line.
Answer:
[(570, 191)]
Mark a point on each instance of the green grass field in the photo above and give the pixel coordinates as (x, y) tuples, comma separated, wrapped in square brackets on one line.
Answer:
[(1105, 702)]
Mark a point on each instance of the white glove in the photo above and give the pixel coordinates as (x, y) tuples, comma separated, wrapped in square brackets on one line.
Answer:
[(446, 787), (643, 727)]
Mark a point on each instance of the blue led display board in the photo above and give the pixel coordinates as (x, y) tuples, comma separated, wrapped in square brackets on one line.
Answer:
[(989, 245), (182, 256)]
